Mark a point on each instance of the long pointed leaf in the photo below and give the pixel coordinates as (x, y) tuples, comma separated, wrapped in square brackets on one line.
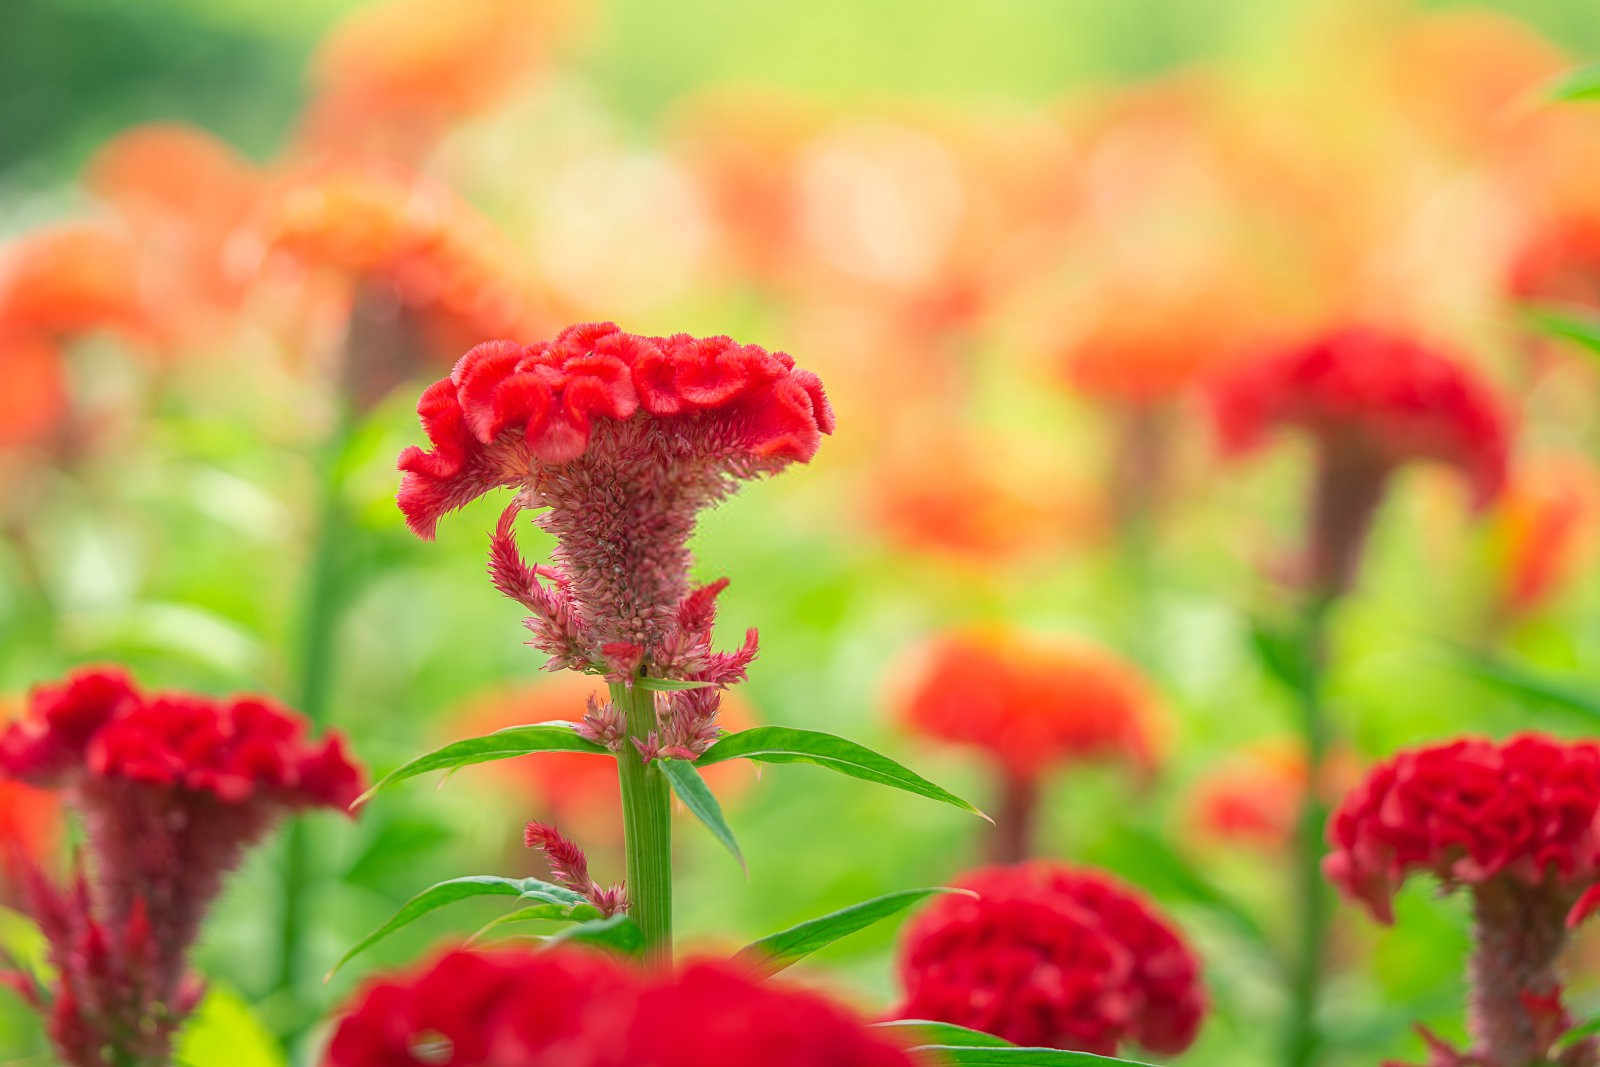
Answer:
[(923, 1032), (618, 933), (990, 1056), (1579, 327), (532, 913), (782, 744), (698, 798), (558, 736), (668, 685), (1580, 84), (477, 885), (1520, 681), (776, 951)]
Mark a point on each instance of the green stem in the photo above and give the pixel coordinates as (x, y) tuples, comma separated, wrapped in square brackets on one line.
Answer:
[(316, 661), (647, 826), (1302, 1038)]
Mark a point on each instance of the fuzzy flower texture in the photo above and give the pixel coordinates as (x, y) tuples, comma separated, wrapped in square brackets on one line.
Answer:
[(172, 789), (1057, 956), (571, 1008), (1514, 823), (621, 440)]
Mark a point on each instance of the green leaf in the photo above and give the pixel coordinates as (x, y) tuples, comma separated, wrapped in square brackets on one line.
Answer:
[(776, 951), (533, 913), (477, 885), (1579, 1032), (224, 1030), (558, 736), (993, 1056), (618, 933), (668, 685), (1522, 682), (1282, 655), (698, 798), (923, 1032), (1580, 84), (1566, 324), (782, 744)]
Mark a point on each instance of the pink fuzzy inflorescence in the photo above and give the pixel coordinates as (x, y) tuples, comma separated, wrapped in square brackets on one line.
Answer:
[(172, 789), (569, 1008), (1052, 955), (1372, 401), (1515, 823), (621, 440)]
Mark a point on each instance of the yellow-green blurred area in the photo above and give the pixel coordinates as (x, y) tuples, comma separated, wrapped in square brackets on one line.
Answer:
[(964, 193)]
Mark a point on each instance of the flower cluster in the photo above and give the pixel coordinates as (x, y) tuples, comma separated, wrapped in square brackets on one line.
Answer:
[(623, 439), (1513, 821), (1051, 955), (567, 1008), (1372, 401), (172, 789)]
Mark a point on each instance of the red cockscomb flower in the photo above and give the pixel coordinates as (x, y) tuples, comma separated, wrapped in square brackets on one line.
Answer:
[(1056, 956), (1516, 823), (172, 789), (569, 1008), (623, 439), (572, 789), (1031, 705), (1372, 401)]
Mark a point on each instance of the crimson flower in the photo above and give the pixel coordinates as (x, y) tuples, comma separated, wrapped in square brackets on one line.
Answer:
[(622, 439), (1372, 401), (1515, 823), (1052, 955), (172, 788), (1030, 705), (570, 1008)]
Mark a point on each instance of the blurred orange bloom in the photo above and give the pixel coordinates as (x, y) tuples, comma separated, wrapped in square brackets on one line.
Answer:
[(35, 397), (1253, 798), (1543, 529), (578, 791), (187, 198), (393, 75), (1030, 703), (71, 278)]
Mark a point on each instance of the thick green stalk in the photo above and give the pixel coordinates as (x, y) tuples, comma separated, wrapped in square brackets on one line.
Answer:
[(315, 665), (1302, 1038), (646, 825)]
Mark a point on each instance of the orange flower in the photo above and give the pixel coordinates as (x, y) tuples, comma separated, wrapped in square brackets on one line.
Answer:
[(1253, 798), (394, 74), (1543, 528), (187, 198), (1032, 704), (35, 397), (577, 789), (71, 278)]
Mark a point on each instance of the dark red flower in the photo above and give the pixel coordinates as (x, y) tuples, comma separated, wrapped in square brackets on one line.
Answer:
[(623, 439), (1515, 823), (1372, 401), (172, 788), (568, 1008), (1051, 955)]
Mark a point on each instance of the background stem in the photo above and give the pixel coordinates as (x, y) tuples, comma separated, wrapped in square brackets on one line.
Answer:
[(1302, 1039), (647, 826)]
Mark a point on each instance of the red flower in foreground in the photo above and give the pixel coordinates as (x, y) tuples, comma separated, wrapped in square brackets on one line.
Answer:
[(569, 1008), (1031, 705), (1372, 401), (1051, 955), (623, 439), (1513, 821), (172, 789)]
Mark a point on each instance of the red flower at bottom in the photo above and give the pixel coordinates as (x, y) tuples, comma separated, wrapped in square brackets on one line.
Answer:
[(1056, 956), (570, 1008)]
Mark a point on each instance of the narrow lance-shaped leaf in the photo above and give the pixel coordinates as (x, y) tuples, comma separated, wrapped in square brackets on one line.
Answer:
[(533, 913), (698, 798), (991, 1056), (558, 736), (776, 951), (1522, 682), (617, 933), (477, 885), (1581, 328), (782, 744), (1580, 84), (920, 1033), (668, 685)]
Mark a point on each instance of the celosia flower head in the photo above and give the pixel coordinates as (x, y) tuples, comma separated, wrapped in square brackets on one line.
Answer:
[(172, 788), (1051, 955), (1470, 812), (568, 1008), (61, 281), (1032, 704), (623, 439)]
